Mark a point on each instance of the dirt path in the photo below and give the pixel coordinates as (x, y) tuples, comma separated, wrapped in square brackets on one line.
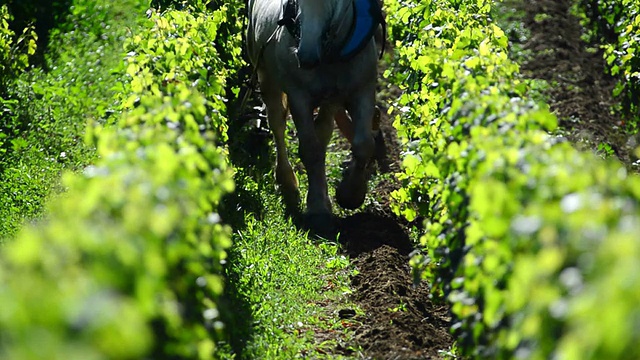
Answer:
[(580, 92), (400, 321)]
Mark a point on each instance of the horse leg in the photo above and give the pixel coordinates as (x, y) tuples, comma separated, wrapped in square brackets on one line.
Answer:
[(285, 177), (324, 124), (314, 137), (324, 130), (343, 121), (353, 187), (344, 124)]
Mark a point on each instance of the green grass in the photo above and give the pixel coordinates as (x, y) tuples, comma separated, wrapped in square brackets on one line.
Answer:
[(284, 290), (45, 113)]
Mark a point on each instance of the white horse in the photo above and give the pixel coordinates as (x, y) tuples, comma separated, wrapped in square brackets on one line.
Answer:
[(325, 57)]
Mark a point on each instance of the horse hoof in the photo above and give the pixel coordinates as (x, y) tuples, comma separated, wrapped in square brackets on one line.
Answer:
[(291, 199), (350, 197), (321, 225), (380, 154)]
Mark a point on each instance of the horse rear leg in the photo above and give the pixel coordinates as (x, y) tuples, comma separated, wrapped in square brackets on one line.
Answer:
[(343, 121), (353, 187), (285, 177), (344, 124)]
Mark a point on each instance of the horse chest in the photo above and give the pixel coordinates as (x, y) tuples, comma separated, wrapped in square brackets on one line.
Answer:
[(327, 88)]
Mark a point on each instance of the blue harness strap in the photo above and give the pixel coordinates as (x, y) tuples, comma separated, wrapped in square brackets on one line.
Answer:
[(367, 16)]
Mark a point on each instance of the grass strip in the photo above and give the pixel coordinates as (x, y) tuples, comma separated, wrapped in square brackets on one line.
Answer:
[(45, 112)]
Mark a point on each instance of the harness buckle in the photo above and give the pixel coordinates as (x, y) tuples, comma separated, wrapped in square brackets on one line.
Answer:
[(290, 18)]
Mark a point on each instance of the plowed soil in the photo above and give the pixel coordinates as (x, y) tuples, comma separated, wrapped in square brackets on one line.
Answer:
[(401, 321)]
